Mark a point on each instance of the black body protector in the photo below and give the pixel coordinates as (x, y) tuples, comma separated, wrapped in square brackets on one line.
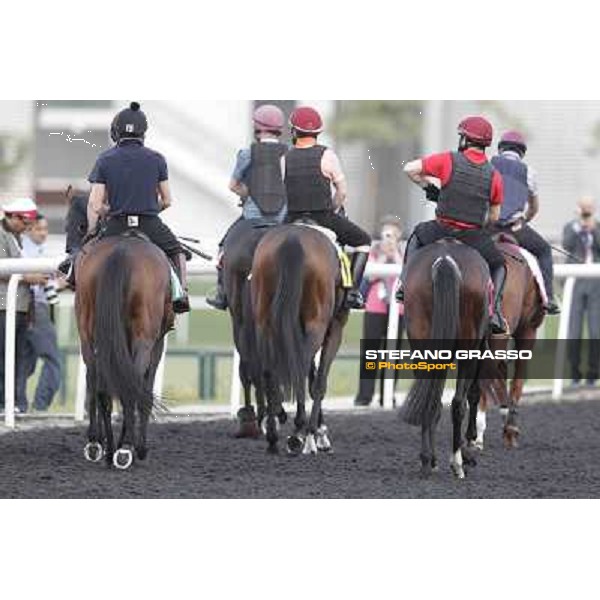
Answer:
[(266, 185), (466, 197), (308, 189)]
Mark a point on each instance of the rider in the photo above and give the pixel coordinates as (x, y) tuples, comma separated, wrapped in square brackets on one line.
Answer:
[(520, 190), (132, 181), (471, 193), (258, 180), (310, 171)]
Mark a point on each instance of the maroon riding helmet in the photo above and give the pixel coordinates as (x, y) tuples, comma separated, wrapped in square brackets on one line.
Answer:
[(513, 139), (477, 130), (268, 117), (307, 120)]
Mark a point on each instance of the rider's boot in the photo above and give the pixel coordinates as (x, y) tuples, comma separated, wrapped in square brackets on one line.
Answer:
[(498, 322), (354, 299), (546, 267), (411, 246), (181, 305), (67, 267), (219, 300)]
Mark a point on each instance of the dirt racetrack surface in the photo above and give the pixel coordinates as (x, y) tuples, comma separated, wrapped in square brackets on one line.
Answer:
[(376, 456)]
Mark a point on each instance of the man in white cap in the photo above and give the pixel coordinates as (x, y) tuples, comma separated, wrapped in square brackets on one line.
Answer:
[(19, 215)]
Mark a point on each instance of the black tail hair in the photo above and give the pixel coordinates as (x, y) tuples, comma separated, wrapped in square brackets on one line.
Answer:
[(117, 373), (284, 345), (424, 401)]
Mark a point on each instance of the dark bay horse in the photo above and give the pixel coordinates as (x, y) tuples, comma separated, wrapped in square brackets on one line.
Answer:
[(297, 296), (446, 298), (239, 249), (522, 306), (123, 307)]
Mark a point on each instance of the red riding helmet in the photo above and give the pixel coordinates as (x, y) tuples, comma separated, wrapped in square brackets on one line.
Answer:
[(307, 120), (268, 118), (476, 129), (512, 138)]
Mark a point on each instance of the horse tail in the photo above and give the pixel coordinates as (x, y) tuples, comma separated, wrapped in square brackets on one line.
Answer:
[(116, 370), (283, 343), (424, 401)]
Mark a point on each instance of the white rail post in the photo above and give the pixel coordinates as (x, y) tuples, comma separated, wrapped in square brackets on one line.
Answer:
[(392, 336), (236, 385), (81, 389), (563, 332), (159, 379), (9, 350)]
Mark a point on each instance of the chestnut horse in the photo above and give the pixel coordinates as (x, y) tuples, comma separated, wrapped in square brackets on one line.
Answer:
[(123, 307), (297, 296), (446, 298), (522, 307)]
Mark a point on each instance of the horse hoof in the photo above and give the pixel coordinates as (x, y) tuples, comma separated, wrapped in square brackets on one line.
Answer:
[(93, 452), (426, 471), (310, 445), (273, 449), (123, 459), (295, 444), (249, 429), (141, 453), (323, 441), (458, 471)]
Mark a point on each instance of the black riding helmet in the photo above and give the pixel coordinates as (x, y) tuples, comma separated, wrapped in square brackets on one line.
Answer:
[(131, 122)]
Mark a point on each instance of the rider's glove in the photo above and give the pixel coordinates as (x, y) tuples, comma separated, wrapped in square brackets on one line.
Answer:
[(432, 192)]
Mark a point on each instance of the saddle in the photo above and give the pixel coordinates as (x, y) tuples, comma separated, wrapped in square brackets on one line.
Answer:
[(345, 267)]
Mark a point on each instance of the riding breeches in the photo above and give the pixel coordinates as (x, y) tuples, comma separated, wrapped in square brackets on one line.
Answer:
[(150, 225), (347, 232), (432, 231), (532, 241)]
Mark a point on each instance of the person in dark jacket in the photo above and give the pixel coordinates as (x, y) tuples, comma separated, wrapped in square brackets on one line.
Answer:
[(521, 204), (581, 238), (258, 180), (470, 197), (311, 170)]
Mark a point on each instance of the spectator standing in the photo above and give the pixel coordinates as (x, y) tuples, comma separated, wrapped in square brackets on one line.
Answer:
[(581, 237), (378, 292), (19, 215), (41, 336)]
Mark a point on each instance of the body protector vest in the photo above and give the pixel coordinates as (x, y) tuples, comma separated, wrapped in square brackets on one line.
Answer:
[(516, 190), (265, 184), (307, 188), (466, 197)]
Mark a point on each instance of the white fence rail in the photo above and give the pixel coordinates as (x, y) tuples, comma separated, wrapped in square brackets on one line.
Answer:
[(17, 267)]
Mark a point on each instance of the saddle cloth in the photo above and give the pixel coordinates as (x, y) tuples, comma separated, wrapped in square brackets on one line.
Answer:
[(345, 268), (534, 267)]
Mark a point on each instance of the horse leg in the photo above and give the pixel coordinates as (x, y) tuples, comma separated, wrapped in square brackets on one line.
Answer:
[(141, 448), (459, 456), (248, 426), (318, 389), (93, 450), (477, 418), (272, 436), (511, 425), (105, 409)]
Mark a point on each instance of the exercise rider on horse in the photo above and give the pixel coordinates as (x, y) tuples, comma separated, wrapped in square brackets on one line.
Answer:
[(310, 171), (521, 191), (130, 183), (258, 180), (471, 194)]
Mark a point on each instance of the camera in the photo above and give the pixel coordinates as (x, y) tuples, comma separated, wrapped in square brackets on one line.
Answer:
[(51, 293)]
